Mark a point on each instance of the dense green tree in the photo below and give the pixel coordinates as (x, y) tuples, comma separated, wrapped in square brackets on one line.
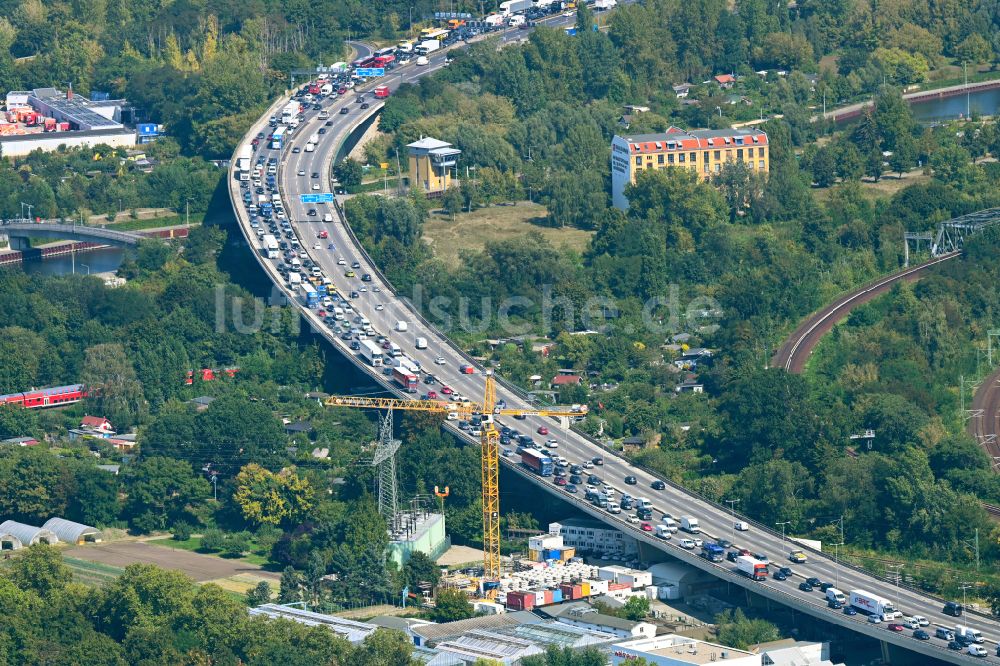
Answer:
[(40, 569), (113, 389), (161, 491), (738, 631), (824, 167), (450, 605), (348, 172)]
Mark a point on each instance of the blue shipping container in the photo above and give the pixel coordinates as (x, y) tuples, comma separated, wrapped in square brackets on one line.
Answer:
[(557, 596), (552, 554)]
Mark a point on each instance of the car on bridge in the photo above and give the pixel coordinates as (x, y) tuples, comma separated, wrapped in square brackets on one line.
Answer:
[(805, 587), (850, 610), (797, 556), (658, 485), (921, 635)]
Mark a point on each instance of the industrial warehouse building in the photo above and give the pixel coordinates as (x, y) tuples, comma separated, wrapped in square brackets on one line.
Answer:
[(354, 632), (46, 118), (69, 532)]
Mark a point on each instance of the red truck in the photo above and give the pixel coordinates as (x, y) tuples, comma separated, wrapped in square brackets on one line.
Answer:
[(406, 379), (382, 92)]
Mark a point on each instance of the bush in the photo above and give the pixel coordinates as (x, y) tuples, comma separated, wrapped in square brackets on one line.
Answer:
[(236, 544), (213, 540), (182, 531)]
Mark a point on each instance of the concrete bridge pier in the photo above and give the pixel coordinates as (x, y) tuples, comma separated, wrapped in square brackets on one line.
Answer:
[(19, 243)]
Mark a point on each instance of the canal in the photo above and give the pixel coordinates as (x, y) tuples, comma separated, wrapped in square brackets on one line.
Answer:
[(982, 103), (101, 260)]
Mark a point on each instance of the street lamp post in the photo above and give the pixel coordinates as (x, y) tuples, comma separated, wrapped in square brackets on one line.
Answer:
[(965, 586), (836, 557), (897, 574), (782, 524), (87, 267), (732, 510)]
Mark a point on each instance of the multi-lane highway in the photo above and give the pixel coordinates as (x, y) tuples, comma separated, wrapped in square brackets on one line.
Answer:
[(384, 308)]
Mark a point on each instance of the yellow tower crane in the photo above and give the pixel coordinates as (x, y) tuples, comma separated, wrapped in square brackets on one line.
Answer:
[(490, 454)]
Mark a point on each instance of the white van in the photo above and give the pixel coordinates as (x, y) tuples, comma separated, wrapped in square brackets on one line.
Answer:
[(328, 217), (421, 343)]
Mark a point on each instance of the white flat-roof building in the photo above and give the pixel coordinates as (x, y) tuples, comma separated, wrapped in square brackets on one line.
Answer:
[(587, 534), (674, 650), (354, 632)]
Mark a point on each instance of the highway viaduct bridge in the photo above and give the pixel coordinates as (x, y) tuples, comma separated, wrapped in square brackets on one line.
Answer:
[(385, 306)]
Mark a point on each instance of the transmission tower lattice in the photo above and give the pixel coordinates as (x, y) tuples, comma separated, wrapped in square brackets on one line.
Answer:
[(384, 462)]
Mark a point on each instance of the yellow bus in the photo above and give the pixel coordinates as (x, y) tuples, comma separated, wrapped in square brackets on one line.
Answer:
[(433, 33)]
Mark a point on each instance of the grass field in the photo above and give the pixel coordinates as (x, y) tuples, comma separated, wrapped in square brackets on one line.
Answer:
[(471, 231), (92, 573), (194, 545), (888, 185)]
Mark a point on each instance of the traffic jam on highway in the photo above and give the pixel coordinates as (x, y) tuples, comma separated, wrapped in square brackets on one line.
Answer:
[(301, 237)]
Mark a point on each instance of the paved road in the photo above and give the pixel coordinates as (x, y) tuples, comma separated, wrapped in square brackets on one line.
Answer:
[(384, 309), (794, 353)]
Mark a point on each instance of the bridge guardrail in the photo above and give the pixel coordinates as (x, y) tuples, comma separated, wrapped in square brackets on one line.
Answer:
[(96, 232)]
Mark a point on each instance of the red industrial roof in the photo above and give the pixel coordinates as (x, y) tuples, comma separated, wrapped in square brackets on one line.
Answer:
[(563, 380)]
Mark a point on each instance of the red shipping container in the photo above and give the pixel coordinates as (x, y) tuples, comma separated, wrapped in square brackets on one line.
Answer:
[(548, 597), (63, 127), (521, 600)]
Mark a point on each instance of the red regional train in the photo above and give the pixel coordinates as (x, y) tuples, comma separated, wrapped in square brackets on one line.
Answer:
[(47, 397)]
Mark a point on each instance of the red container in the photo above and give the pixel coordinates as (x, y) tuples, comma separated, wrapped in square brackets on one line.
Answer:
[(571, 591), (548, 597), (520, 600)]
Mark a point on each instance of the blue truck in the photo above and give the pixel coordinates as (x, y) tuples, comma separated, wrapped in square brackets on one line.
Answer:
[(713, 552), (537, 462)]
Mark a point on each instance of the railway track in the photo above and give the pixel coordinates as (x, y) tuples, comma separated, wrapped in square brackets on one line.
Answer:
[(795, 352)]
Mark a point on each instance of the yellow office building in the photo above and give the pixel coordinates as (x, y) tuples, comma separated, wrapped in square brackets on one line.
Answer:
[(431, 161), (701, 151)]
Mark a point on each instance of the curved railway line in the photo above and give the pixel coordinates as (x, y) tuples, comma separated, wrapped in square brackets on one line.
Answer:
[(793, 355)]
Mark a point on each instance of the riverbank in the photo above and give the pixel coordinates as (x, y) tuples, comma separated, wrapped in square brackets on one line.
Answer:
[(914, 97)]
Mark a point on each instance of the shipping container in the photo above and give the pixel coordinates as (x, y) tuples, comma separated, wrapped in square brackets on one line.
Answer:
[(547, 597), (585, 589), (520, 600), (557, 596)]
